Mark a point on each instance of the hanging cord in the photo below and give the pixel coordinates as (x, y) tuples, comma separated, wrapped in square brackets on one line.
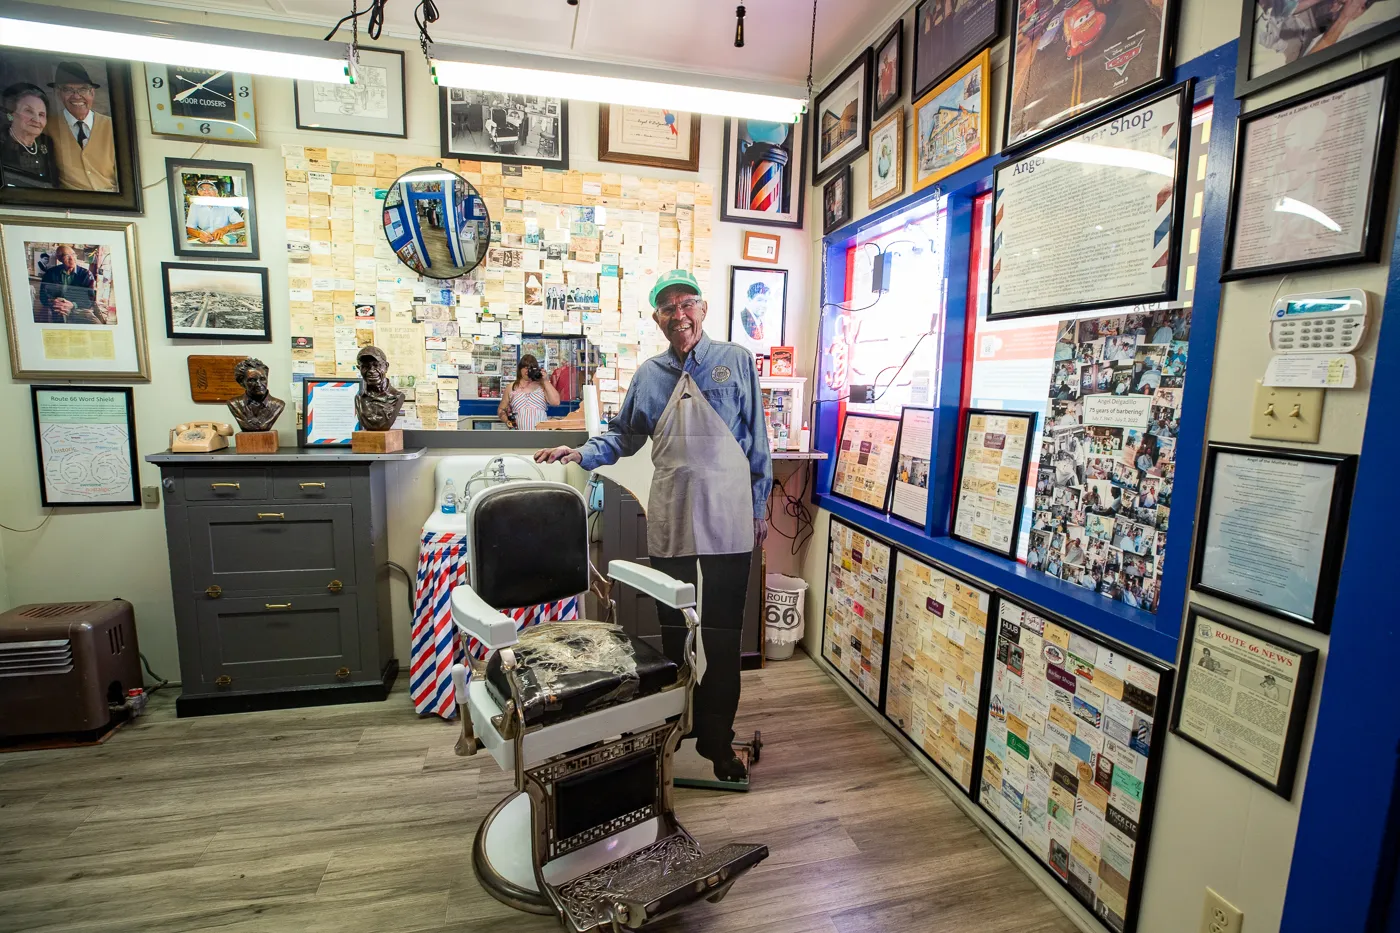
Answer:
[(812, 50), (25, 531), (794, 507), (425, 14), (376, 20)]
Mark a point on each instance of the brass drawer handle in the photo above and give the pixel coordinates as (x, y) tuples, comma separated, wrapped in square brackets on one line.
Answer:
[(312, 485), (271, 515), (343, 673), (335, 586), (223, 486), (277, 605), (214, 592), (223, 680)]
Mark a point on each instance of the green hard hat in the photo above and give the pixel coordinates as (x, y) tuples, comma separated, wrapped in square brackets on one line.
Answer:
[(674, 277)]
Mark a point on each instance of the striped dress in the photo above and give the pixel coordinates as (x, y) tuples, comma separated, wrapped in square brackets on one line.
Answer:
[(529, 407)]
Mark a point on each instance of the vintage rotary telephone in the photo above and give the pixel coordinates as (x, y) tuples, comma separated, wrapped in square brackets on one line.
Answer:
[(200, 437)]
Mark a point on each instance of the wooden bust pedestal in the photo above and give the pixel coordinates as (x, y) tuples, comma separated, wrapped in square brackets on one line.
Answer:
[(256, 442), (376, 442)]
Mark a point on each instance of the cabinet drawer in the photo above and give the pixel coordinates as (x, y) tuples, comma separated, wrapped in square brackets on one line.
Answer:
[(231, 484), (311, 485), (271, 548), (263, 641)]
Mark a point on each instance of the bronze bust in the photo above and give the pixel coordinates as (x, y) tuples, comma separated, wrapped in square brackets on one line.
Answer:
[(256, 410), (378, 403)]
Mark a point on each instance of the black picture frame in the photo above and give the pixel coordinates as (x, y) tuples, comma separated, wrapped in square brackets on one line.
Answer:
[(181, 248), (445, 139), (132, 463), (307, 386), (764, 271), (932, 70), (862, 63), (1379, 177), (894, 468), (841, 181), (170, 328), (1018, 518), (127, 198), (1171, 283), (889, 595), (1156, 742), (402, 101), (730, 178), (1298, 705), (879, 107), (1245, 85), (1334, 540), (894, 460)]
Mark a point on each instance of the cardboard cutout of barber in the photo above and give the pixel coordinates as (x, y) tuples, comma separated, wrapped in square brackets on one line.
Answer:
[(700, 404)]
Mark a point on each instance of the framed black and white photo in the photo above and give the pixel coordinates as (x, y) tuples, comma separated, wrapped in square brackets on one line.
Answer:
[(1243, 697), (948, 36), (514, 129), (836, 201), (204, 301), (85, 439), (765, 172), (372, 106), (1279, 41), (1312, 178), (212, 209), (991, 491), (202, 103), (1273, 525), (913, 462), (841, 127), (889, 70), (1075, 233), (865, 459), (757, 308), (329, 418)]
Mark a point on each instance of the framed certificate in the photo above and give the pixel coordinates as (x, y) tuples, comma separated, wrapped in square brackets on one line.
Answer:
[(855, 622), (1274, 524), (992, 479), (1243, 697), (85, 437), (1094, 220), (913, 462), (1312, 178), (865, 459), (328, 416)]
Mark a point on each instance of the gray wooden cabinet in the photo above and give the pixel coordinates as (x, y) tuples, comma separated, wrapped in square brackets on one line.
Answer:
[(277, 566)]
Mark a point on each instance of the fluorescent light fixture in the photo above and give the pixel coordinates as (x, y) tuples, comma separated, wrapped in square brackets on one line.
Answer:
[(1291, 206), (1092, 154), (617, 84), (109, 35)]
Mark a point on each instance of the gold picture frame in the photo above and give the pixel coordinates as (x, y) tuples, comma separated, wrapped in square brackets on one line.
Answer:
[(639, 136), (934, 138), (762, 247), (889, 132)]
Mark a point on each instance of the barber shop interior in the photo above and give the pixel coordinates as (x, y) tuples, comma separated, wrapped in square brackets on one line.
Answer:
[(595, 465)]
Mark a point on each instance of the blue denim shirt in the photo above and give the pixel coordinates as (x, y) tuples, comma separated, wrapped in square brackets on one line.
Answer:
[(735, 397)]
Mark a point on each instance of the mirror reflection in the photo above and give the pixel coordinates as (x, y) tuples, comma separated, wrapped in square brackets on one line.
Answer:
[(436, 222)]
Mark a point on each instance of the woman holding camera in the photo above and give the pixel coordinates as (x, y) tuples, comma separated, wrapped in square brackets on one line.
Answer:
[(525, 402)]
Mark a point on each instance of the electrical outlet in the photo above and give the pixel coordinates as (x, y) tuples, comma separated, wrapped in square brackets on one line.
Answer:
[(1286, 414), (150, 495), (1220, 916)]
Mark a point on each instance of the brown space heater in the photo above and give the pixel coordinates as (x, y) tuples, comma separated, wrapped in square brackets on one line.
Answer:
[(61, 664)]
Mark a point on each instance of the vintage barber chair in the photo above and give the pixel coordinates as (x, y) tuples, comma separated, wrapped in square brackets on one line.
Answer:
[(587, 717)]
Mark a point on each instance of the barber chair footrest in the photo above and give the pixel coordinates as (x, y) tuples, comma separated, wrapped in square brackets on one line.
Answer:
[(653, 881)]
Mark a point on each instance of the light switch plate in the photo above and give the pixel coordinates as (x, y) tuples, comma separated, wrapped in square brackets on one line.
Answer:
[(1281, 414)]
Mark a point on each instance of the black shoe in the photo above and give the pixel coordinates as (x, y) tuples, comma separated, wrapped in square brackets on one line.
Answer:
[(731, 769)]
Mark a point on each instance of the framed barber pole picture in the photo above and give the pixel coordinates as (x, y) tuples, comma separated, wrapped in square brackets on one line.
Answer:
[(765, 172)]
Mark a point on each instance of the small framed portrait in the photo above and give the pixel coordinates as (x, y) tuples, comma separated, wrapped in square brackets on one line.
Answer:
[(947, 35), (842, 127), (204, 103), (950, 123), (757, 307), (889, 70), (70, 142), (761, 247), (85, 437), (72, 299), (836, 201), (765, 172), (372, 106), (212, 212), (514, 129), (647, 136), (887, 159), (204, 301)]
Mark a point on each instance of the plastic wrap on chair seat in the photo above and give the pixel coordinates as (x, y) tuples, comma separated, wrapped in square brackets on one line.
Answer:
[(567, 669)]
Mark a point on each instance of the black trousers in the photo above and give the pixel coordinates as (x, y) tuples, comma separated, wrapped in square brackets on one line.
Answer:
[(722, 598)]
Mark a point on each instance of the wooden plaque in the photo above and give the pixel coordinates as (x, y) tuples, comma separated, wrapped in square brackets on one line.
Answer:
[(211, 378)]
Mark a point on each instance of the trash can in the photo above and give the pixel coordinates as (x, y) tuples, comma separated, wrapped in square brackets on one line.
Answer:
[(782, 615)]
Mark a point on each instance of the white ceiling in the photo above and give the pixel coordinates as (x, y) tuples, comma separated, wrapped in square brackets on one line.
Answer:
[(678, 35)]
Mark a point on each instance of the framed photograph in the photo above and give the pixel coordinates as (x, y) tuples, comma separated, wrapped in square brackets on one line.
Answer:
[(1274, 523), (952, 123), (757, 307), (1063, 68), (85, 437), (782, 361), (1279, 41), (1125, 218), (887, 159), (761, 247), (855, 617), (842, 114), (328, 416), (645, 136), (1087, 770), (889, 70), (72, 292), (947, 35), (865, 459), (372, 106), (991, 490), (513, 129), (913, 461), (1312, 178), (1243, 697), (204, 301), (937, 617), (71, 143), (836, 201), (203, 103), (765, 172), (212, 209)]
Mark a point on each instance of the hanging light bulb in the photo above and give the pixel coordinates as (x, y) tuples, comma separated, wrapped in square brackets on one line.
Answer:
[(739, 27)]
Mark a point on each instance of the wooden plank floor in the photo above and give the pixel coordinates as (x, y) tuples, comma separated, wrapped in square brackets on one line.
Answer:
[(360, 818)]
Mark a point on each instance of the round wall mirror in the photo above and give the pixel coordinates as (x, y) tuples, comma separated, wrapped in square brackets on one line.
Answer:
[(437, 223)]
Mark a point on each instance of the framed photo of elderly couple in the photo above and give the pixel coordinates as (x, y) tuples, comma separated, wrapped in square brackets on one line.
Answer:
[(71, 139)]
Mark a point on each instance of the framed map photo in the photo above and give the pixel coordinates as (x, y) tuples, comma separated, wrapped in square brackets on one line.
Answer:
[(887, 159), (372, 106), (72, 299), (513, 129), (842, 114), (212, 214), (85, 438), (889, 70), (865, 459), (991, 490), (765, 172), (646, 136), (947, 35), (205, 301), (203, 103), (1279, 40), (951, 123), (757, 308)]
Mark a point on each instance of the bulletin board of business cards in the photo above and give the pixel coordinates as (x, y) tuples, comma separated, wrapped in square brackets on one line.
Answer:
[(855, 626)]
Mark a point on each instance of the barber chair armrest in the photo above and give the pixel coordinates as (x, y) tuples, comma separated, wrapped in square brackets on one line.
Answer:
[(661, 587), (473, 616)]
